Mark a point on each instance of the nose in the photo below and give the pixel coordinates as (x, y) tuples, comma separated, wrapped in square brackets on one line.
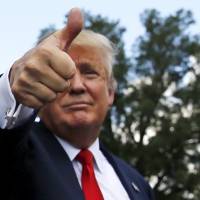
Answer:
[(77, 84)]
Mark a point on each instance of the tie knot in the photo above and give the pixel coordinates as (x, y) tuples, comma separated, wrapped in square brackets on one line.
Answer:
[(85, 157)]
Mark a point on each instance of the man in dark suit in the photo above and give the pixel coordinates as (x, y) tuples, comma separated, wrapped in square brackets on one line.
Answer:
[(68, 78)]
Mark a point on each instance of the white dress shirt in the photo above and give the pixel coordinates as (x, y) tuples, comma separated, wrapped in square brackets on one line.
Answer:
[(108, 181)]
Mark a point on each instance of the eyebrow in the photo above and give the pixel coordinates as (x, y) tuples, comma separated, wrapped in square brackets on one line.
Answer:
[(86, 65)]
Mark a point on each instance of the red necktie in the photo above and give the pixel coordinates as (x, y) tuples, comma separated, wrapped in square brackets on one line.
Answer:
[(90, 186)]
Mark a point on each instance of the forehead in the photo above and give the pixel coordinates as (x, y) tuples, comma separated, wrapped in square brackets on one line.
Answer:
[(87, 54)]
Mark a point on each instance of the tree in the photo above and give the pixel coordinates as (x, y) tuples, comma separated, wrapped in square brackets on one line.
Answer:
[(161, 125), (45, 32), (155, 121)]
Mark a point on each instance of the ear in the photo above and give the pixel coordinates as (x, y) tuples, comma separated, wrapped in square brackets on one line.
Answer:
[(111, 96)]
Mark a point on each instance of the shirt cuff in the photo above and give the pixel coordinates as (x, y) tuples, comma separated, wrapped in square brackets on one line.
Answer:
[(10, 116)]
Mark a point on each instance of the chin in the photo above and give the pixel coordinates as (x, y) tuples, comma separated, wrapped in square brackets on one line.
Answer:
[(80, 119), (77, 121)]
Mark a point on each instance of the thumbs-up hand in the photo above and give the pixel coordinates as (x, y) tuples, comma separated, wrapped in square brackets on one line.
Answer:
[(43, 71)]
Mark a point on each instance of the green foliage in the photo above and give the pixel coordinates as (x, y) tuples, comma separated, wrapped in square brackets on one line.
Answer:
[(163, 59), (45, 32), (155, 121)]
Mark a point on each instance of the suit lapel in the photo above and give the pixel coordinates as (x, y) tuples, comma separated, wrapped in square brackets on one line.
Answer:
[(130, 186), (62, 164)]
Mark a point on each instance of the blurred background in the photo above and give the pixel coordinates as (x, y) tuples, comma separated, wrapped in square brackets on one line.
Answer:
[(22, 20), (155, 121)]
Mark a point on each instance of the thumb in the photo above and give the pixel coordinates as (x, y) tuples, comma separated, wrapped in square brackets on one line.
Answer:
[(72, 29)]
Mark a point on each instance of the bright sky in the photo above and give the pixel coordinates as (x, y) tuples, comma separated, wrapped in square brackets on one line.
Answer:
[(22, 20)]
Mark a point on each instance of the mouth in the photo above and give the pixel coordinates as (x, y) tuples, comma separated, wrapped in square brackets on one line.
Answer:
[(77, 105)]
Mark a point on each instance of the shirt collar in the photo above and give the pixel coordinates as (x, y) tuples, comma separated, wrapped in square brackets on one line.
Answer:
[(72, 151)]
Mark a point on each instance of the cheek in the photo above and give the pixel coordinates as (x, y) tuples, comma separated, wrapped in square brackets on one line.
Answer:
[(102, 97)]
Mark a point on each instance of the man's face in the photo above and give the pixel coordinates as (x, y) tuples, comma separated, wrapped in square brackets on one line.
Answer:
[(89, 97)]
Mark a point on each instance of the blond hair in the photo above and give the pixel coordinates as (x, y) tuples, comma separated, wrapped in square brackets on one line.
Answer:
[(96, 40)]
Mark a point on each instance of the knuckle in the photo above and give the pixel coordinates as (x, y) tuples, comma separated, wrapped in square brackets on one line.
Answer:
[(32, 68), (29, 65), (23, 80), (44, 51), (15, 89)]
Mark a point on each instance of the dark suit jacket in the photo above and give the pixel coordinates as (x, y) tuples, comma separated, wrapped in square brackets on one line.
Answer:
[(34, 166)]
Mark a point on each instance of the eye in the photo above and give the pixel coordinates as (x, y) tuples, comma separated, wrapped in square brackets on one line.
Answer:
[(90, 73), (88, 70)]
